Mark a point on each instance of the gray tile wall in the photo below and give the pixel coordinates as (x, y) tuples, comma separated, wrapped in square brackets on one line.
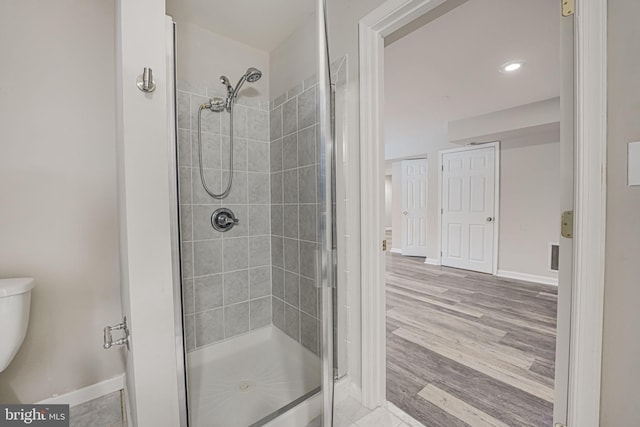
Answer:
[(294, 166), (226, 276)]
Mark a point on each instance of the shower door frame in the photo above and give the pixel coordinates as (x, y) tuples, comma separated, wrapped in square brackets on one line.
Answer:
[(590, 201), (300, 409)]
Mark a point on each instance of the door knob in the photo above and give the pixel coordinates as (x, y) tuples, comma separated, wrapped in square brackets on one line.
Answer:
[(404, 212), (489, 219)]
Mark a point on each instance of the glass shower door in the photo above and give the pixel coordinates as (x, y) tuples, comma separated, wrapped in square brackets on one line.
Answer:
[(257, 259)]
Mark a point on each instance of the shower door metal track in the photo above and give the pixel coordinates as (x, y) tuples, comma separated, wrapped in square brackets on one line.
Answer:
[(285, 408)]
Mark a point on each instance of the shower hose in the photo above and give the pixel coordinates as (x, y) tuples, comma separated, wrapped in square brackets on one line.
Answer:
[(225, 193)]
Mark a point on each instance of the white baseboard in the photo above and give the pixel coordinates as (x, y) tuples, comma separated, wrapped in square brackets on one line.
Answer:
[(396, 251), (528, 277), (83, 395), (432, 261)]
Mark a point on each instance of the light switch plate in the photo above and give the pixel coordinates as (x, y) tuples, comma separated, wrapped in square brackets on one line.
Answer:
[(633, 171)]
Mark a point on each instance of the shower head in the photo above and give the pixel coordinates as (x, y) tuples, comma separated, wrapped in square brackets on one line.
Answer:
[(253, 75)]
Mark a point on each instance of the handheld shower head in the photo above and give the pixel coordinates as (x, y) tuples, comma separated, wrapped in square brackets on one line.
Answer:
[(225, 81), (253, 75)]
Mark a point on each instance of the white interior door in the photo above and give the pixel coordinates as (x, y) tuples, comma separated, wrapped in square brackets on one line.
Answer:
[(468, 208), (145, 183), (414, 207)]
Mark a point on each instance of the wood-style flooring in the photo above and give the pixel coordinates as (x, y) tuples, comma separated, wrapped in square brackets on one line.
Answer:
[(469, 349)]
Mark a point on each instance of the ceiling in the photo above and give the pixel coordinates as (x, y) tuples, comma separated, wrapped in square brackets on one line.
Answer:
[(258, 23), (449, 69)]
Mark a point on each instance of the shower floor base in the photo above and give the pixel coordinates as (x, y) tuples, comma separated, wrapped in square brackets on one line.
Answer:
[(238, 382)]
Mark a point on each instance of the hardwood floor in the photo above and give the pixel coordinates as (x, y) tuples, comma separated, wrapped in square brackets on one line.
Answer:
[(469, 349)]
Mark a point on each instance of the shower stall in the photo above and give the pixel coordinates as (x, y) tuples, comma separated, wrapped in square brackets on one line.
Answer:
[(254, 168)]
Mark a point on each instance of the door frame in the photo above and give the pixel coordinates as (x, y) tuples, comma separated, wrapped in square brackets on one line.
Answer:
[(590, 201), (496, 197)]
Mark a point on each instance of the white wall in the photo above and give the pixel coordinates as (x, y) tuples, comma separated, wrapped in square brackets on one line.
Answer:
[(529, 203), (204, 56), (59, 220), (620, 368), (295, 59), (388, 198), (513, 119)]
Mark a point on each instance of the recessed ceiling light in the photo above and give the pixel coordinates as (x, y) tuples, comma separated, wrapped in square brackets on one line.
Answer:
[(511, 66)]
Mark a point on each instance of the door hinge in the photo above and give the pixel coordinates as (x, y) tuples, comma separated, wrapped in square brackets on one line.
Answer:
[(441, 211), (568, 7), (566, 225), (108, 338), (384, 245)]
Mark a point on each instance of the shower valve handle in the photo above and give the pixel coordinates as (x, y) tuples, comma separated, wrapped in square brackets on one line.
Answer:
[(225, 220)]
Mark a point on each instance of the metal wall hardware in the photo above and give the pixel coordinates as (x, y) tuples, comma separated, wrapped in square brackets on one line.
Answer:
[(108, 339), (566, 226), (568, 7), (145, 81), (223, 219)]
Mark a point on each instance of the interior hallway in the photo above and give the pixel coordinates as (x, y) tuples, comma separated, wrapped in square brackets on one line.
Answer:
[(466, 348)]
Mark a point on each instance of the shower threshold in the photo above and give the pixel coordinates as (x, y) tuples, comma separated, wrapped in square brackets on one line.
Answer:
[(249, 380)]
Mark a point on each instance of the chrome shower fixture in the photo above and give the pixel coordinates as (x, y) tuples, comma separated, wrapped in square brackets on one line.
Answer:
[(252, 75), (225, 81), (218, 105)]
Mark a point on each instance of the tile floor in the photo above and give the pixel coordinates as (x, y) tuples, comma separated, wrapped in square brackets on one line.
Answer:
[(349, 413)]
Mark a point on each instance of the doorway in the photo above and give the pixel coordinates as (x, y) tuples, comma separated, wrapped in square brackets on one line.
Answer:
[(446, 318), (383, 22)]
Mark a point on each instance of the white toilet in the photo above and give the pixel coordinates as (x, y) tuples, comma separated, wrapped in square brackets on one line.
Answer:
[(15, 299)]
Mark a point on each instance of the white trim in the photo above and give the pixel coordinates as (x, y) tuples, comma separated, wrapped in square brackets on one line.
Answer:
[(432, 261), (396, 251), (590, 201), (86, 394), (390, 16), (496, 197), (127, 407), (528, 277), (590, 214)]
